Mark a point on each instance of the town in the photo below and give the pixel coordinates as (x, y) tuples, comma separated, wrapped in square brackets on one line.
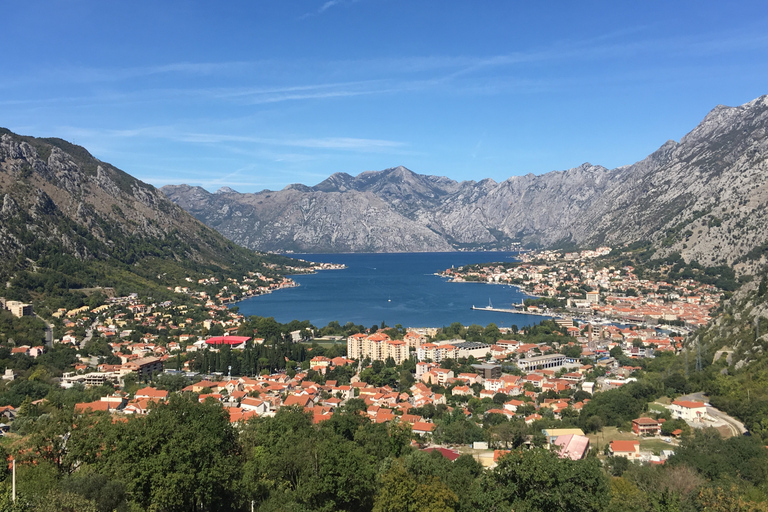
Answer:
[(587, 290), (130, 350)]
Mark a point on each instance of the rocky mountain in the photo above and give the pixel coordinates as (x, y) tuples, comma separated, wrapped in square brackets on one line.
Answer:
[(298, 218), (704, 197), (62, 208)]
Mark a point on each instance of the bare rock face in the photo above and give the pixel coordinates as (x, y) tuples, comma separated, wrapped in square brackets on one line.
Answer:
[(294, 220), (705, 197), (57, 197)]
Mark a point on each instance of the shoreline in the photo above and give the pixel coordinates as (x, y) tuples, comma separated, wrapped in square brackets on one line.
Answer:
[(517, 286)]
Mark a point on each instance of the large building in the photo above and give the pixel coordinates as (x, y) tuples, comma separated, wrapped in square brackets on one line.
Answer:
[(541, 362), (18, 309), (451, 349), (376, 347), (646, 427), (145, 367), (488, 371)]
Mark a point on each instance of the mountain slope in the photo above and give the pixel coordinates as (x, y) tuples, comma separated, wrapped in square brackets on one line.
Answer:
[(704, 197), (293, 219), (69, 217)]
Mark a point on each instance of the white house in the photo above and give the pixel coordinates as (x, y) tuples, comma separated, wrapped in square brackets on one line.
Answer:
[(689, 411)]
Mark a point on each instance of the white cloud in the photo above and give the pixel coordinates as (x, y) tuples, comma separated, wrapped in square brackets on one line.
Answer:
[(172, 133)]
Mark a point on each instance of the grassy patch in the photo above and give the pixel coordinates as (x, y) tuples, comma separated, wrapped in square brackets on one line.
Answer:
[(600, 439), (655, 445), (326, 344)]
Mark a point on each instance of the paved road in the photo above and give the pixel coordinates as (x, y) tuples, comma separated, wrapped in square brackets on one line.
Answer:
[(48, 332)]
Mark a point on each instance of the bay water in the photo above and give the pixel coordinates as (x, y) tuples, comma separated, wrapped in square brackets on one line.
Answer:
[(399, 288)]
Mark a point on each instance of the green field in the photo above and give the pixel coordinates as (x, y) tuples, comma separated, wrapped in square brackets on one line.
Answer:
[(655, 445)]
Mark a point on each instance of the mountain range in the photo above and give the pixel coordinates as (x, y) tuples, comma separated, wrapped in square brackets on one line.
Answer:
[(70, 221), (704, 197)]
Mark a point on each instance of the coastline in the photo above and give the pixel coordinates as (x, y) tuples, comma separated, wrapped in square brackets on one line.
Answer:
[(312, 270), (394, 288), (519, 288)]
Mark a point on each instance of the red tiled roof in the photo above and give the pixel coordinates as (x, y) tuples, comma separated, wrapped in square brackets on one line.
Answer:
[(624, 446), (227, 340), (98, 405), (689, 404), (445, 452)]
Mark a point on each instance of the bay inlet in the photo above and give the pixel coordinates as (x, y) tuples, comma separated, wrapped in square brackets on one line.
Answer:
[(399, 288)]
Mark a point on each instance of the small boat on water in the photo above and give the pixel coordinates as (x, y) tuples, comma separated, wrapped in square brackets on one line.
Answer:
[(489, 307)]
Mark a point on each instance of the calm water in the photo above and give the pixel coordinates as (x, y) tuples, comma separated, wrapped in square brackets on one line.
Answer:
[(393, 288)]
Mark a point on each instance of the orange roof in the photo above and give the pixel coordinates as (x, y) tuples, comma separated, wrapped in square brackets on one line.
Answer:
[(423, 426), (625, 446), (236, 414), (303, 401), (645, 421), (689, 404), (98, 405), (152, 393)]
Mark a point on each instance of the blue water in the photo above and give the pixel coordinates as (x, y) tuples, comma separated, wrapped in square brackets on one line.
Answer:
[(392, 288)]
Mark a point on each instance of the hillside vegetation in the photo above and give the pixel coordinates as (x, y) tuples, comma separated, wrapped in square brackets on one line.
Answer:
[(70, 222)]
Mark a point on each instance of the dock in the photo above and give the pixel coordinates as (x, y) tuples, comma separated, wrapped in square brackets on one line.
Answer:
[(519, 312)]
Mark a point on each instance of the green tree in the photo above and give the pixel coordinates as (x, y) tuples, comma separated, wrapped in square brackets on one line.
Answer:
[(401, 492), (539, 480), (182, 456)]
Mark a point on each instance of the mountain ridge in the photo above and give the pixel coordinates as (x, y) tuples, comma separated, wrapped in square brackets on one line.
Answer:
[(70, 221), (688, 197)]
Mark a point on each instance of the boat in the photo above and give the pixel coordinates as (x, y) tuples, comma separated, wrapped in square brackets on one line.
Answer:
[(489, 307)]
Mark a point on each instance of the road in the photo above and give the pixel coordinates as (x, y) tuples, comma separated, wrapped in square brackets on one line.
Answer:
[(89, 334), (48, 332)]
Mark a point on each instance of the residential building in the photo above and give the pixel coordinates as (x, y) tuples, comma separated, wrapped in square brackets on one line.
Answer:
[(488, 371), (541, 362), (628, 449), (377, 347), (646, 427), (687, 410)]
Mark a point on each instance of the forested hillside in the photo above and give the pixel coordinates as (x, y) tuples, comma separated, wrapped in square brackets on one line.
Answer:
[(71, 222)]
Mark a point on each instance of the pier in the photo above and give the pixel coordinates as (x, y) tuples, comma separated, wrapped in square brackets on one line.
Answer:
[(518, 311)]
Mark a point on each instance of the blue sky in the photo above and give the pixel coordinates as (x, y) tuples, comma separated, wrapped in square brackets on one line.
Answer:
[(263, 93)]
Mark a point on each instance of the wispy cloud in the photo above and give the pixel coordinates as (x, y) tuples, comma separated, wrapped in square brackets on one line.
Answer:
[(174, 134), (327, 5)]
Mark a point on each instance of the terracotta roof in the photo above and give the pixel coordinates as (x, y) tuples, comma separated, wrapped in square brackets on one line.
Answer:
[(624, 446), (422, 426), (689, 404), (98, 405), (445, 452), (227, 340), (497, 454)]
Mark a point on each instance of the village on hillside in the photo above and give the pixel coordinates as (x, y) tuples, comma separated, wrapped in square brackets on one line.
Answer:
[(131, 349), (588, 290)]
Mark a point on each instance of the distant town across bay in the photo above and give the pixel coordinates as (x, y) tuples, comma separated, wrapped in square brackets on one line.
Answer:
[(399, 288)]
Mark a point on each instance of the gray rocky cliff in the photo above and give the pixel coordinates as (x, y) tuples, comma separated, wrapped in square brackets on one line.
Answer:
[(705, 197)]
